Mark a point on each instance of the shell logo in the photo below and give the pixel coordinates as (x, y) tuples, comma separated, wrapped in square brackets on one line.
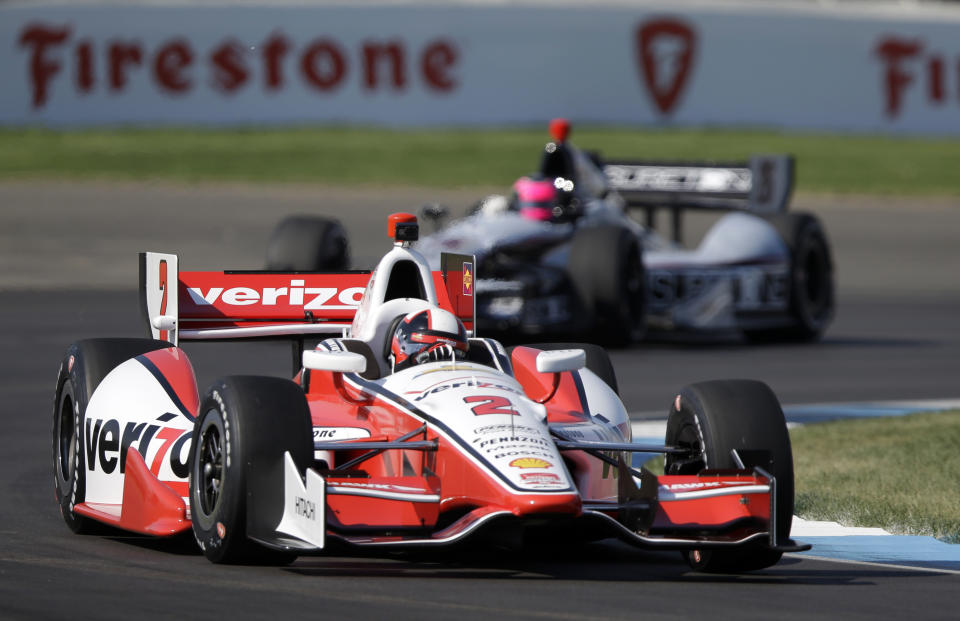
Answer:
[(530, 462), (468, 279)]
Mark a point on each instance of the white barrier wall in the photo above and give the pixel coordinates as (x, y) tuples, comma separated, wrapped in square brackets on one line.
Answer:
[(807, 67)]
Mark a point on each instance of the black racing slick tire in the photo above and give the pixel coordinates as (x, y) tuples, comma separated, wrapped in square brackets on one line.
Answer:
[(598, 360), (308, 244), (244, 426), (811, 285), (606, 267), (84, 366), (712, 419)]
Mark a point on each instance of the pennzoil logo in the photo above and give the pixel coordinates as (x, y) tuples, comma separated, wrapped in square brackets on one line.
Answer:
[(468, 279), (530, 462), (541, 478)]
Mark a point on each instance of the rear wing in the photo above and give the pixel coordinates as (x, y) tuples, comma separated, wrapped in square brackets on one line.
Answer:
[(761, 185), (179, 305)]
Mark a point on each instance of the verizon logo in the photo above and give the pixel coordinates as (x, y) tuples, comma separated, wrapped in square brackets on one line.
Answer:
[(296, 294)]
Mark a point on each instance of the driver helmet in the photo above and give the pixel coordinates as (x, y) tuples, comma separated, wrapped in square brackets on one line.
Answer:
[(545, 199), (427, 335)]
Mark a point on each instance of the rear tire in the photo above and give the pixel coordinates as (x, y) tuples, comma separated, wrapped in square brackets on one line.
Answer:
[(598, 360), (84, 366), (606, 266), (244, 426), (811, 280), (715, 418), (308, 244)]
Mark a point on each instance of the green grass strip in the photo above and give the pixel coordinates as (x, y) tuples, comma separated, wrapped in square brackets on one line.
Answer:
[(458, 157), (900, 474)]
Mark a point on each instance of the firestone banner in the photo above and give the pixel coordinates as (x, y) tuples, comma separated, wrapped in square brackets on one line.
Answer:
[(411, 65)]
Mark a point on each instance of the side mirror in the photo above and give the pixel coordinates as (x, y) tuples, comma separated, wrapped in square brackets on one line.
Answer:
[(336, 361), (561, 360), (555, 363), (164, 322)]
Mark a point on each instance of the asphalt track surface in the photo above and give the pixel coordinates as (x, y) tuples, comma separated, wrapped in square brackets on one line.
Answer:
[(68, 271)]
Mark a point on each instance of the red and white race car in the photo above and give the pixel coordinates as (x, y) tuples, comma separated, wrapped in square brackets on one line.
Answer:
[(401, 429)]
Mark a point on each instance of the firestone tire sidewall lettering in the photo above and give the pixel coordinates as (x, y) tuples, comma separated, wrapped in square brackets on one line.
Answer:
[(68, 455), (221, 532), (248, 414)]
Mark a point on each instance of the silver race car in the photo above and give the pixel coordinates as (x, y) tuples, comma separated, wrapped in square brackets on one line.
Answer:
[(564, 256)]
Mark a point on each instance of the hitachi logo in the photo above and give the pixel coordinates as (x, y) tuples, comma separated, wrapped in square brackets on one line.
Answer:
[(310, 298), (305, 508)]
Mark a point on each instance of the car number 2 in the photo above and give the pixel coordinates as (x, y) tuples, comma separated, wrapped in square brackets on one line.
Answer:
[(488, 404)]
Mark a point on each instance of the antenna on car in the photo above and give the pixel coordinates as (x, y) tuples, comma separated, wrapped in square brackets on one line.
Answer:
[(559, 130)]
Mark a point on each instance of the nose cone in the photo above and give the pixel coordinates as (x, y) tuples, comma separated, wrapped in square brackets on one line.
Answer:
[(552, 504)]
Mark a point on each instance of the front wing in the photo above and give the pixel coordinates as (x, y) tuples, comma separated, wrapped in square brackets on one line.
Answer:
[(714, 509)]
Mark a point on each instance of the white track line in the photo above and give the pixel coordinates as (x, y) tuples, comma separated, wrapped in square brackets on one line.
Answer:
[(816, 528), (878, 564)]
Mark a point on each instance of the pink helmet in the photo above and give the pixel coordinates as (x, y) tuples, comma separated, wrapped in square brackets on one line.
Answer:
[(546, 199), (536, 198)]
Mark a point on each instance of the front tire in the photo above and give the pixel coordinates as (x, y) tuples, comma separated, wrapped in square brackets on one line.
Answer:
[(244, 426), (84, 366), (711, 419)]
